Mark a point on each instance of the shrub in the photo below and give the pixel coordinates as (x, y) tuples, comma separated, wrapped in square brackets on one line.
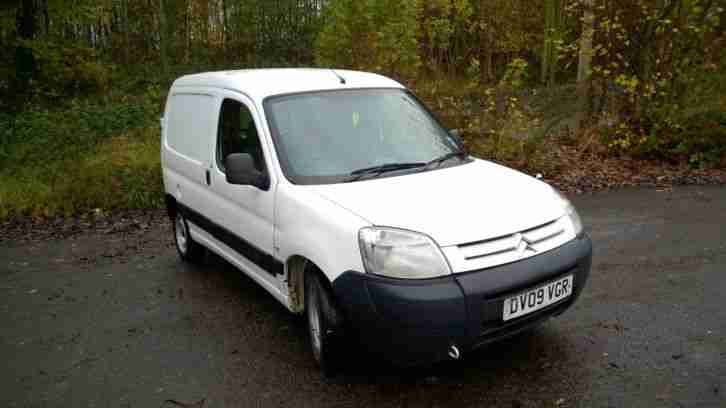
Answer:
[(690, 128)]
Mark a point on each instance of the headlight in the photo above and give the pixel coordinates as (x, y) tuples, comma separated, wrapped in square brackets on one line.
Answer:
[(570, 213), (401, 254)]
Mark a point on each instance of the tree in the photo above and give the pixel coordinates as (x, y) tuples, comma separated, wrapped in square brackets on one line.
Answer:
[(552, 38), (507, 29), (26, 16), (167, 32), (584, 65)]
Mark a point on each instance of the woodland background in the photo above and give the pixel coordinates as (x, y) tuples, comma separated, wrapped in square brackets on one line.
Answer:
[(591, 93)]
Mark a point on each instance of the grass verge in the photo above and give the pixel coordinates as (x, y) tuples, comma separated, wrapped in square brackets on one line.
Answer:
[(81, 158)]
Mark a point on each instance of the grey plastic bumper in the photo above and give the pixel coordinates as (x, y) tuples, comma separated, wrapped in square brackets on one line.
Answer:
[(414, 322)]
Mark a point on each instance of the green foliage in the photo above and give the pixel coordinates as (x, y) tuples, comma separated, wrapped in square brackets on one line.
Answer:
[(516, 74), (34, 134), (364, 34), (444, 30), (80, 157), (67, 69), (122, 172), (695, 131), (552, 39), (497, 122), (656, 63), (396, 42), (81, 132)]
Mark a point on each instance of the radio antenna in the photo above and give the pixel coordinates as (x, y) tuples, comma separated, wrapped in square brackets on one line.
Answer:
[(342, 80)]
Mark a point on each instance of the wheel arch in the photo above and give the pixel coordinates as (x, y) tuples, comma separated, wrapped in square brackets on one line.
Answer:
[(171, 207), (297, 267)]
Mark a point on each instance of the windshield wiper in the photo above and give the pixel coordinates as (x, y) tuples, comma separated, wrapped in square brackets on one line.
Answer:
[(382, 168), (447, 156)]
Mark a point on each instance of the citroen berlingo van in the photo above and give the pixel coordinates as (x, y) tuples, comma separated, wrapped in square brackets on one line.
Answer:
[(344, 197)]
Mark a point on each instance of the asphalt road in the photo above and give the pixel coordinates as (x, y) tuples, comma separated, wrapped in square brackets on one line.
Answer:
[(114, 319)]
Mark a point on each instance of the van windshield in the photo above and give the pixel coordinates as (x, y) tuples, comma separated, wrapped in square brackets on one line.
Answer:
[(348, 135)]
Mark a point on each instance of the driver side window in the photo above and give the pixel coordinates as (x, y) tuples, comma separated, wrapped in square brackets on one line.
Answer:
[(237, 133)]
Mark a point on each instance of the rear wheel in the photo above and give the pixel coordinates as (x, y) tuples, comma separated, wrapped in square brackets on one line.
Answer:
[(324, 324), (188, 249)]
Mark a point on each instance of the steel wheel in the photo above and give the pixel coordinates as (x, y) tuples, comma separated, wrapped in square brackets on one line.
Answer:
[(325, 323), (314, 324), (180, 233), (189, 250)]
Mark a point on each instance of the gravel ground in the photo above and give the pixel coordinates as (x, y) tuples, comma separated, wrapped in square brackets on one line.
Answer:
[(99, 311)]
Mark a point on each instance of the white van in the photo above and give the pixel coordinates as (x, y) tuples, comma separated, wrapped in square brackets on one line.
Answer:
[(344, 197)]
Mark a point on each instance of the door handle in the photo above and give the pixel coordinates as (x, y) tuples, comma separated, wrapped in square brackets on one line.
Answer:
[(208, 177)]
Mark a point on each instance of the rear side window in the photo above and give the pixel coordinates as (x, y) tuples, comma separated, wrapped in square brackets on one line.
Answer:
[(191, 125), (237, 133)]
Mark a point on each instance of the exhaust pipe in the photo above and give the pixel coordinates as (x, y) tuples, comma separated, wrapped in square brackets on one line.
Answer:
[(454, 352)]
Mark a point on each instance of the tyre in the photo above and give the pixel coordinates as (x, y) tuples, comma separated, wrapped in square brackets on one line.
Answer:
[(325, 324), (188, 249)]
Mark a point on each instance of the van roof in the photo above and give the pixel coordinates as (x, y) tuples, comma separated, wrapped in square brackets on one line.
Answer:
[(260, 83)]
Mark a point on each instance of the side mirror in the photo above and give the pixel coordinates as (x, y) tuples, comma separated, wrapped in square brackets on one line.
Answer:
[(241, 171)]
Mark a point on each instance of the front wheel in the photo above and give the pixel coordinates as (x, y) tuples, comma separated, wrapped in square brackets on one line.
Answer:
[(324, 324)]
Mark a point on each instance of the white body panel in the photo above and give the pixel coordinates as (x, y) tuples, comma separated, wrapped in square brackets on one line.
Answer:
[(184, 172), (311, 226), (457, 205), (245, 211), (261, 83)]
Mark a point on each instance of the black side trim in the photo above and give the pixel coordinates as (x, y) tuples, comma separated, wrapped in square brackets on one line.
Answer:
[(232, 240)]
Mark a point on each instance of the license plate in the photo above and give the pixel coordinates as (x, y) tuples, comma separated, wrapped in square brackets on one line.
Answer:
[(534, 299)]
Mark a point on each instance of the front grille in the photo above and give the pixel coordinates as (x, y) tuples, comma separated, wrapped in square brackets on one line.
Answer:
[(509, 248)]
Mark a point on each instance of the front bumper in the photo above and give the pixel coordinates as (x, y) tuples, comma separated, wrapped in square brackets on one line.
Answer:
[(416, 322)]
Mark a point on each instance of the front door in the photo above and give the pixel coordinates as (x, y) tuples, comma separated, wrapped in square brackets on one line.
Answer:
[(242, 216)]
